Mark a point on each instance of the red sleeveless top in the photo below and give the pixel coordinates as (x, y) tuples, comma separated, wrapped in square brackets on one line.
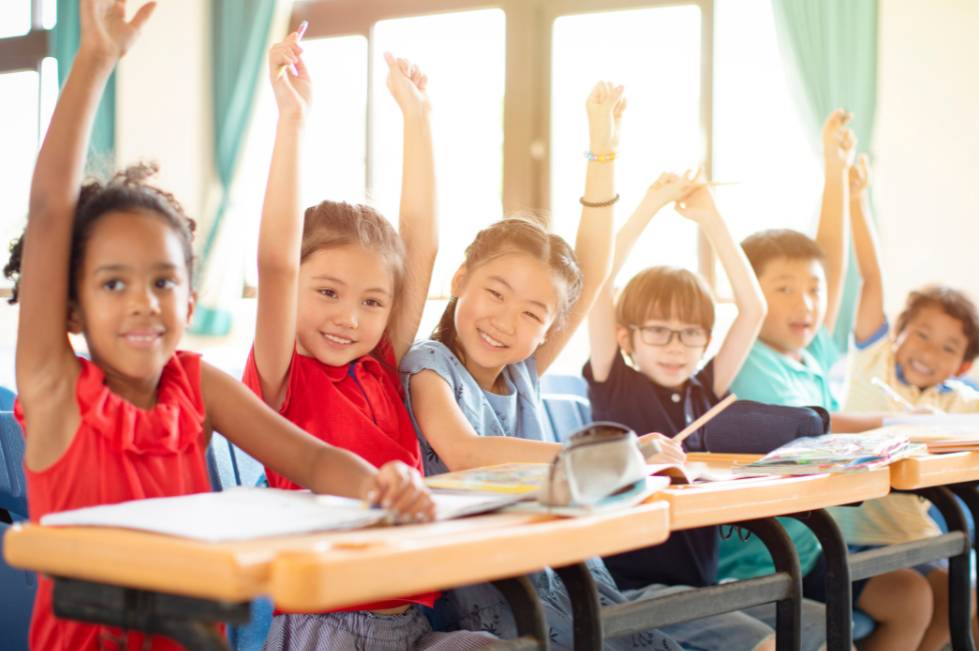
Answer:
[(119, 452), (358, 407)]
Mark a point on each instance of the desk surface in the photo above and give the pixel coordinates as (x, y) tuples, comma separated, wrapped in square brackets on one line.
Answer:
[(935, 470), (333, 570), (747, 499)]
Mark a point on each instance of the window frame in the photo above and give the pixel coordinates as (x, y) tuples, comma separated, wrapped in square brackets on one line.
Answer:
[(526, 106)]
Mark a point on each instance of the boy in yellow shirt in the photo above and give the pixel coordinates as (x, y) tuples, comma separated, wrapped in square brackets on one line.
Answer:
[(936, 340)]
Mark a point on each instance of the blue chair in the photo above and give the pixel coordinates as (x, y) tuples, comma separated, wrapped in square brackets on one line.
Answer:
[(13, 488), (17, 588), (574, 385), (7, 398), (221, 465)]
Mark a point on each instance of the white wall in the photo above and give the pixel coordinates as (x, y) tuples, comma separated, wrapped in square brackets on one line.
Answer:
[(926, 145), (163, 101)]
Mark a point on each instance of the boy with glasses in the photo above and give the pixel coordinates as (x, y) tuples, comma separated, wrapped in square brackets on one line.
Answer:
[(646, 371)]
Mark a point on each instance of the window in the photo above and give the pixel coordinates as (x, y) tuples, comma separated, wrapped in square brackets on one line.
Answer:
[(656, 54), (29, 86)]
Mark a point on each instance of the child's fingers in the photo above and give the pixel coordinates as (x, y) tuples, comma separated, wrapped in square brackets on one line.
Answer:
[(142, 15), (389, 58), (301, 71), (422, 83), (416, 507)]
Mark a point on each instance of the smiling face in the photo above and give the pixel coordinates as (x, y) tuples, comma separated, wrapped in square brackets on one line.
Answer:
[(504, 310), (346, 295), (931, 347), (671, 364), (134, 297), (795, 289)]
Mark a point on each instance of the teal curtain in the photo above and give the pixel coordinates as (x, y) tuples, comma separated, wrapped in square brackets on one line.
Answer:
[(63, 43), (830, 50), (239, 35)]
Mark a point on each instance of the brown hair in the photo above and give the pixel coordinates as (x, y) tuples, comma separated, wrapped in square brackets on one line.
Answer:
[(953, 303), (665, 292), (764, 246), (519, 234), (126, 191), (331, 224)]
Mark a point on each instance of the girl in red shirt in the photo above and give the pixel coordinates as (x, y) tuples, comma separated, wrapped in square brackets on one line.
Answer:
[(340, 296), (113, 263)]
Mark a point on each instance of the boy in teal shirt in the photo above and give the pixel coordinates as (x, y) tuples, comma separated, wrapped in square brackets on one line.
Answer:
[(802, 280)]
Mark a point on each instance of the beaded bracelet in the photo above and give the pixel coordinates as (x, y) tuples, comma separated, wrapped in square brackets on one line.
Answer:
[(600, 158), (598, 204)]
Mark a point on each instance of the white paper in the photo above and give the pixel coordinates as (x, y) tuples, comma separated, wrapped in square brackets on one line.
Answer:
[(248, 513)]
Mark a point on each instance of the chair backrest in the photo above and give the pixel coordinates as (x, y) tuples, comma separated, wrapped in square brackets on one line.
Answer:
[(7, 398), (251, 472), (566, 413), (13, 487), (17, 589), (221, 463), (574, 385)]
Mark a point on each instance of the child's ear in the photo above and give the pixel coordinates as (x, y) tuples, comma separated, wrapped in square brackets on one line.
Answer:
[(458, 280), (623, 336), (965, 368)]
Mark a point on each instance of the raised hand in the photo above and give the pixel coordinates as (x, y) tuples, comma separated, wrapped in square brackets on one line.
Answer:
[(605, 106), (859, 176), (290, 79), (668, 188), (698, 205), (105, 32), (839, 141), (407, 84), (401, 490)]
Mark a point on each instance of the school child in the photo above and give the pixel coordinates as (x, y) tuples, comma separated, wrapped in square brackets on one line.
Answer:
[(113, 263), (474, 389), (936, 340), (789, 364), (662, 322), (339, 299)]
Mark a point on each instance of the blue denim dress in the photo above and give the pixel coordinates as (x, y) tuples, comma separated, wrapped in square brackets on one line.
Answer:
[(518, 413)]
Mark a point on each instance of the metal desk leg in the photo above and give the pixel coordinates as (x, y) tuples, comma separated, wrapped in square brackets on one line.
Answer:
[(585, 608), (527, 612), (839, 590), (959, 581), (187, 620), (788, 612)]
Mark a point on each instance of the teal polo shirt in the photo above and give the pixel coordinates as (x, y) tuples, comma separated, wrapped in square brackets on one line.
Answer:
[(772, 377)]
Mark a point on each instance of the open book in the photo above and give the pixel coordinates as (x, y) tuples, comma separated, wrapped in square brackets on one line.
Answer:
[(941, 433), (248, 513)]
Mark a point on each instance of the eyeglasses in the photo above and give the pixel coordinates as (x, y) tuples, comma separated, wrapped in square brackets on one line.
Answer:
[(663, 336)]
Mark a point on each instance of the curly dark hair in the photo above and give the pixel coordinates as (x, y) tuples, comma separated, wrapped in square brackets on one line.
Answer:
[(127, 191)]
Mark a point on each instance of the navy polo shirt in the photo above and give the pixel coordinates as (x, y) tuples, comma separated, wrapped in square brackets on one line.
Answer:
[(629, 397)]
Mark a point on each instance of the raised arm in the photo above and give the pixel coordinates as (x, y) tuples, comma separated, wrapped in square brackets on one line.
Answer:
[(418, 219), (839, 145), (46, 368), (281, 229), (593, 244), (601, 318), (870, 309), (243, 419), (700, 207)]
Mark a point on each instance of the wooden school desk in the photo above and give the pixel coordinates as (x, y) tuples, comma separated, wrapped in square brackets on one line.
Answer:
[(936, 477), (753, 504), (172, 586)]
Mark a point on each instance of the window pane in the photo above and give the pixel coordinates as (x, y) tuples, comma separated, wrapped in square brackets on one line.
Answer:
[(333, 165), (759, 139), (18, 133), (463, 55), (15, 17), (49, 13)]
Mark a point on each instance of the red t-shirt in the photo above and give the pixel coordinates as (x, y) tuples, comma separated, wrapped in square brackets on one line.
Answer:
[(358, 407), (119, 452)]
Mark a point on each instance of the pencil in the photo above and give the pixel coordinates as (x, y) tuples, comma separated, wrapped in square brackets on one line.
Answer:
[(889, 391), (299, 36), (703, 420)]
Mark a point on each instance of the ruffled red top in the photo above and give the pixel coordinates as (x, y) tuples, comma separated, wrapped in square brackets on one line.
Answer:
[(358, 407), (119, 452)]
